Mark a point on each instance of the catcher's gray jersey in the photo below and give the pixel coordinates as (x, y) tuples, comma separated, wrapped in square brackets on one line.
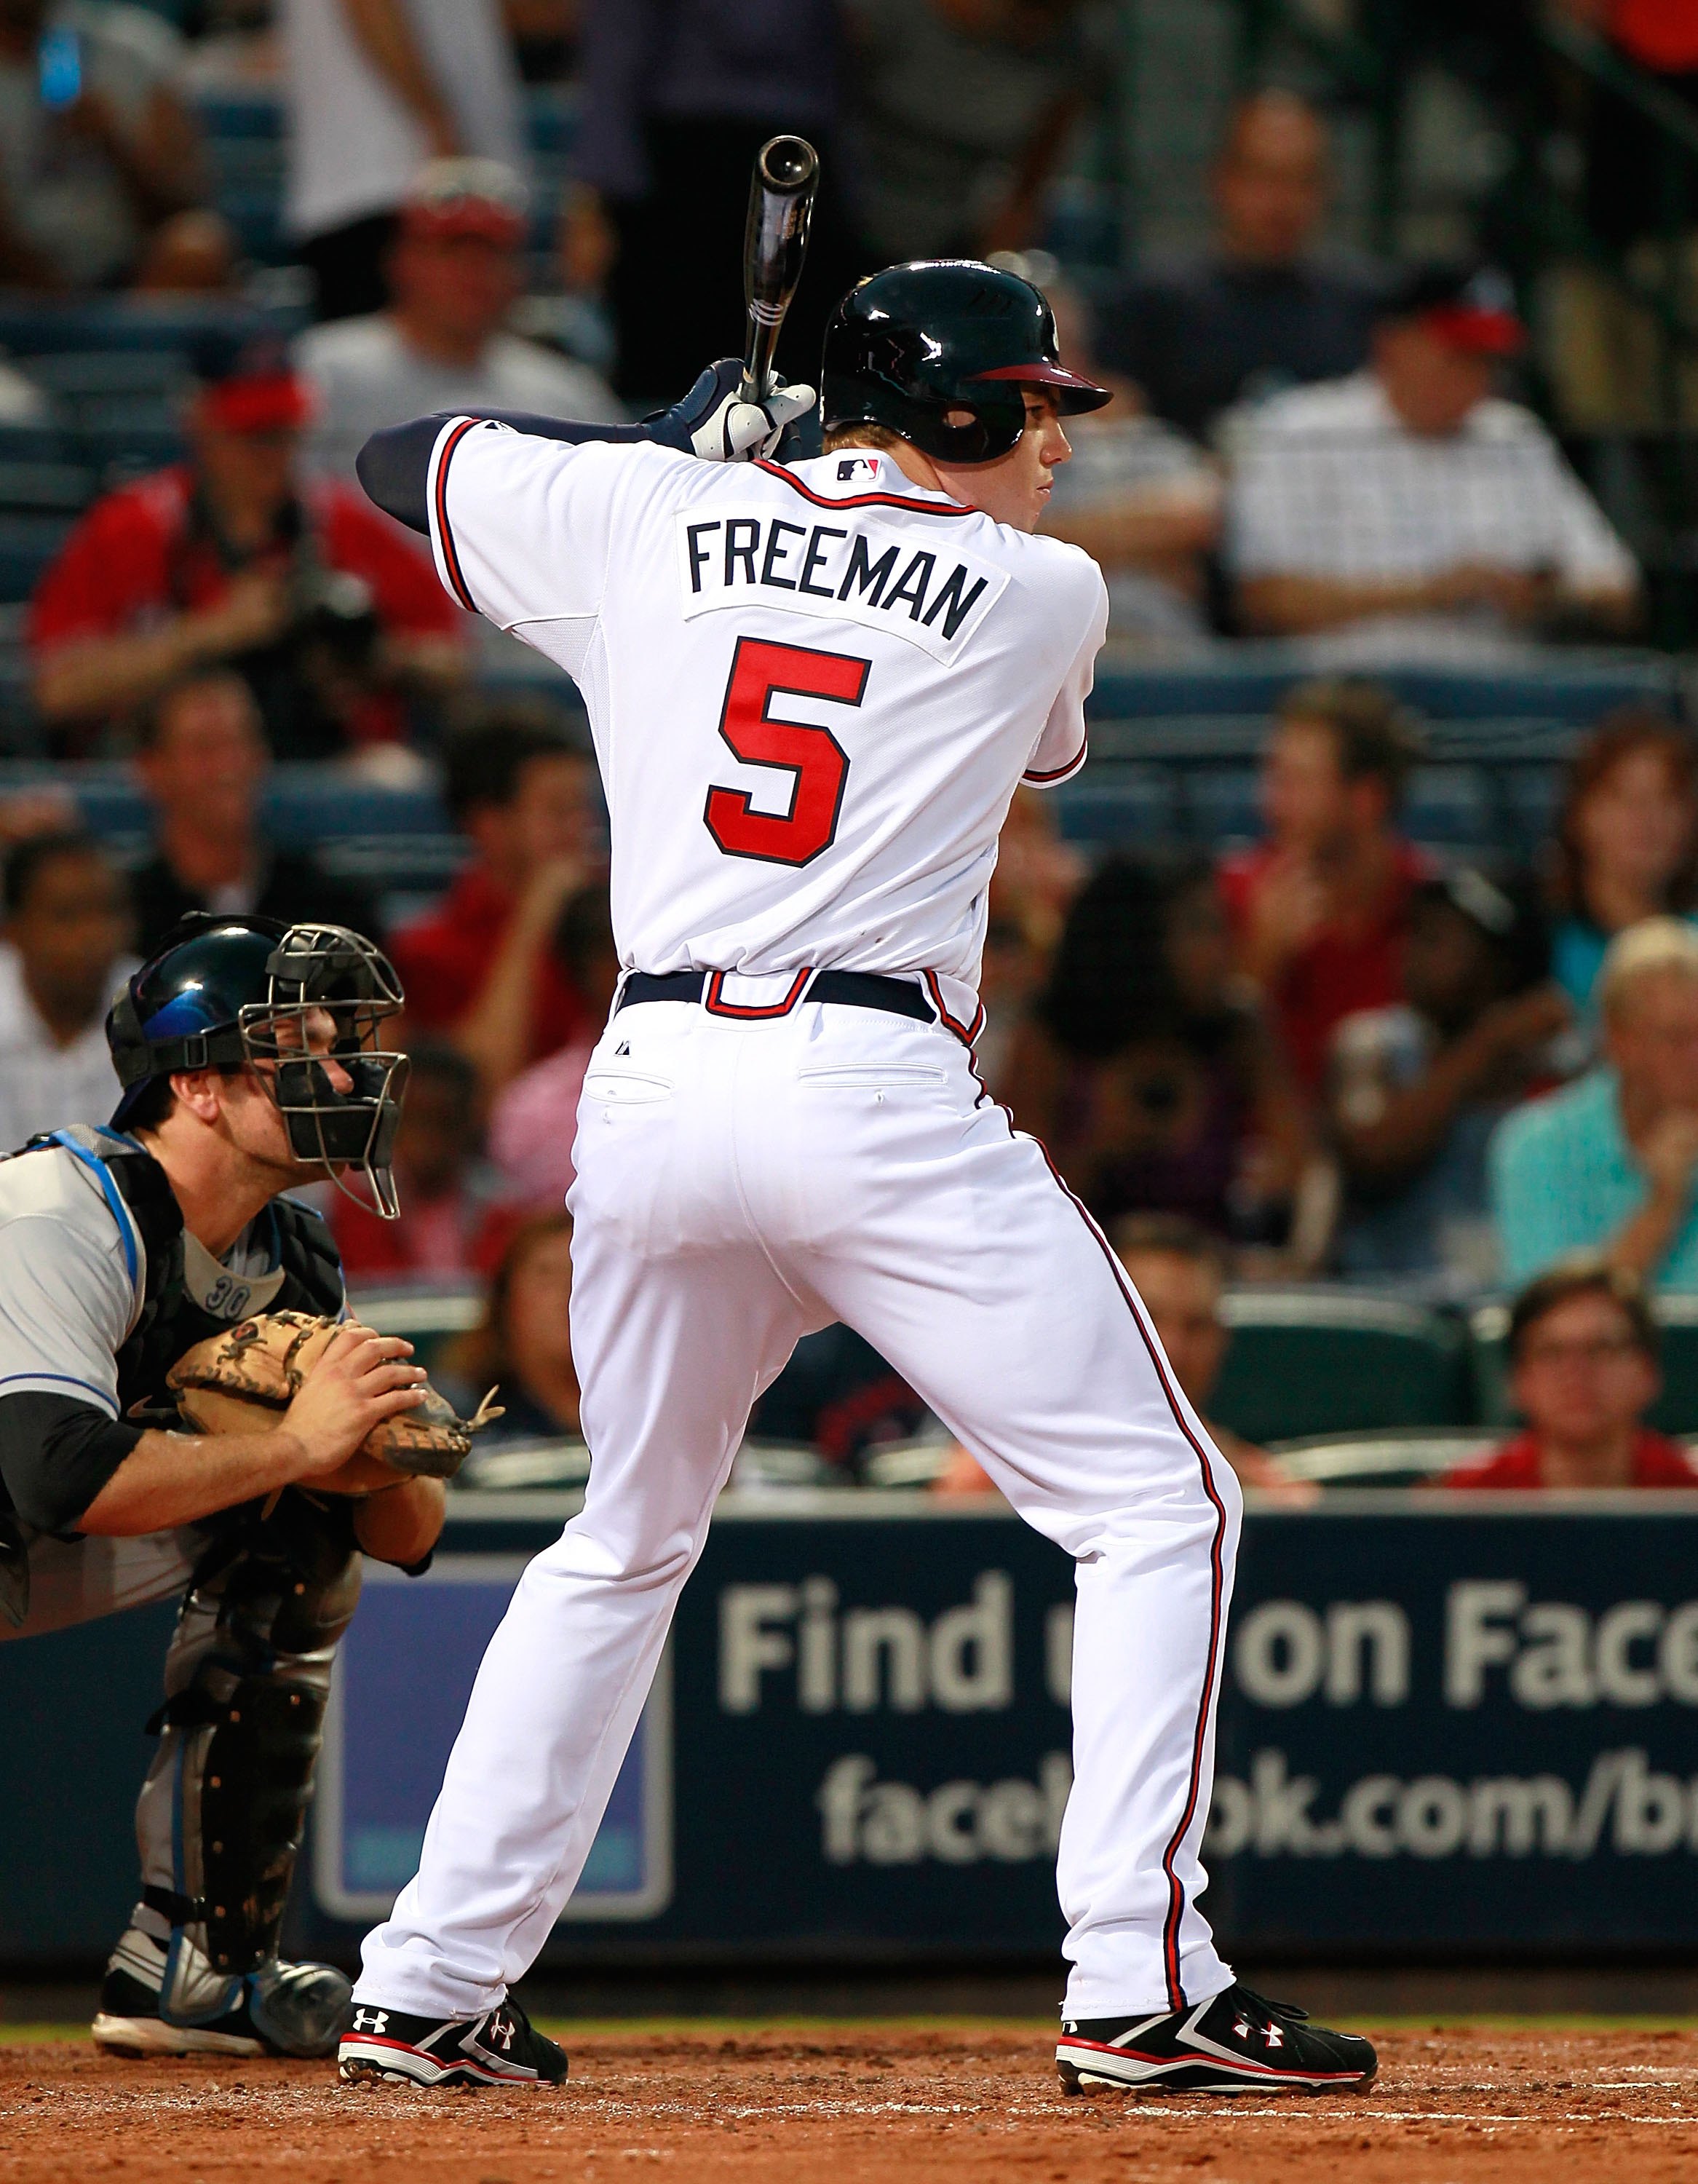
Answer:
[(73, 1268)]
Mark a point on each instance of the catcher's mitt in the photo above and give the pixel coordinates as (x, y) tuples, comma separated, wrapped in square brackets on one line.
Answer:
[(258, 1366)]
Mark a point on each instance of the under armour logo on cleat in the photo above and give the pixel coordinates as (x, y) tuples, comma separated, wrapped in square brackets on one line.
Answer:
[(501, 2032), (1274, 2036), (370, 2020)]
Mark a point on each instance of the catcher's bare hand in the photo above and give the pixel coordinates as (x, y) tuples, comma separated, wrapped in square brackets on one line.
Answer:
[(360, 1380)]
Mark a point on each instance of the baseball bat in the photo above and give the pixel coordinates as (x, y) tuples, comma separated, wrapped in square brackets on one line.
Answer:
[(774, 241)]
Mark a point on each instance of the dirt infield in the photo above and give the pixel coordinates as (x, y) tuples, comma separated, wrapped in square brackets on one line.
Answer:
[(867, 2104)]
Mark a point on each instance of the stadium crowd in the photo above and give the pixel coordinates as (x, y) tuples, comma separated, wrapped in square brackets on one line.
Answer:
[(1334, 1051)]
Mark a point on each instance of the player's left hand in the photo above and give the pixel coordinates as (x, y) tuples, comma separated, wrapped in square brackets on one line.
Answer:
[(714, 422)]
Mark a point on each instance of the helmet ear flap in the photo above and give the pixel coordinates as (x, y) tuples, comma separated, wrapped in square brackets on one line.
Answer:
[(124, 1038)]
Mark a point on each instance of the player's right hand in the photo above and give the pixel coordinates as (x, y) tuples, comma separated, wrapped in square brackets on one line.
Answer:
[(361, 1380), (714, 422)]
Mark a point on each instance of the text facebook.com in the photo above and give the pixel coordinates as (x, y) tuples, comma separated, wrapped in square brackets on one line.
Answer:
[(800, 1646), (1624, 1805)]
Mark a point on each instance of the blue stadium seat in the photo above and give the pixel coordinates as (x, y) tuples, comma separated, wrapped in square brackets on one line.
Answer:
[(126, 436), (549, 179), (31, 444), (1571, 687), (1452, 806), (19, 729), (1220, 804), (27, 544), (113, 322), (1116, 806), (1531, 795), (304, 805), (1183, 738), (1082, 227), (111, 804), (76, 376), (551, 112), (49, 488), (226, 114), (1499, 739), (429, 1314), (248, 163), (1574, 687), (1334, 1361), (1136, 693), (519, 672), (256, 214), (397, 842)]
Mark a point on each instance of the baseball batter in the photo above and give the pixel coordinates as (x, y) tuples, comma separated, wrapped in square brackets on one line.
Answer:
[(813, 691)]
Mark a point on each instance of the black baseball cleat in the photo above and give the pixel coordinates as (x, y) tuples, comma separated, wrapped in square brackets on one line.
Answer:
[(501, 2047), (164, 1998), (1234, 2043)]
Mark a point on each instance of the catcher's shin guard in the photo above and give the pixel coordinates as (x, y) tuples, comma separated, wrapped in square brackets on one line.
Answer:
[(247, 1679)]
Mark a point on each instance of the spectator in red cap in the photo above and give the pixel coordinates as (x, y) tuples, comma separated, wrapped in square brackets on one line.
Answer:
[(230, 557), (455, 272), (1583, 1372), (1409, 512)]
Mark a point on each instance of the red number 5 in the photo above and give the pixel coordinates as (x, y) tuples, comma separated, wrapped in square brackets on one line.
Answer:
[(813, 756)]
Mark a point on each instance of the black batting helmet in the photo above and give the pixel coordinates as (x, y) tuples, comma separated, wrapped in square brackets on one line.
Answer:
[(938, 352)]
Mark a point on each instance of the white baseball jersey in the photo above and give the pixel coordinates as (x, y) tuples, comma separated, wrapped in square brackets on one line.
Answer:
[(812, 690)]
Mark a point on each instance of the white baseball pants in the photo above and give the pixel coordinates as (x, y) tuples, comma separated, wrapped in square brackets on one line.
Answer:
[(741, 1183)]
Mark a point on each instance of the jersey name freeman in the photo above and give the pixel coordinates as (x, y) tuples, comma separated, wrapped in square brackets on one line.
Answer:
[(854, 570)]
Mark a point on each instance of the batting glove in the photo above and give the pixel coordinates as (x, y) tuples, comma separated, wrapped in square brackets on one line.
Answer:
[(714, 422)]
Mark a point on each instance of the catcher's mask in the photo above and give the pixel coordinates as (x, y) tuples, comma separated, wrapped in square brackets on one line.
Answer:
[(250, 992)]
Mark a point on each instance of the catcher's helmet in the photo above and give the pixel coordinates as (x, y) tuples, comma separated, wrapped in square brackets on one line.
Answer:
[(224, 992), (917, 342)]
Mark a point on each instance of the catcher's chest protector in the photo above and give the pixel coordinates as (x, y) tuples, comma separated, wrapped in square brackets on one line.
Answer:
[(171, 1320)]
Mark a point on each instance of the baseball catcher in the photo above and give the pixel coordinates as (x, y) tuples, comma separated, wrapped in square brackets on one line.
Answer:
[(184, 1407)]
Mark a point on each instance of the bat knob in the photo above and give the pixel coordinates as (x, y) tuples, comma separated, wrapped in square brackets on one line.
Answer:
[(788, 163)]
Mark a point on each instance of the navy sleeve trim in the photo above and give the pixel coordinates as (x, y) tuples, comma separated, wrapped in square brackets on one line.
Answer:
[(394, 465), (456, 574), (1059, 773), (864, 499)]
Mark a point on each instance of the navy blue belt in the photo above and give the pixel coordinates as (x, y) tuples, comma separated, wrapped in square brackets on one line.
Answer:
[(855, 989)]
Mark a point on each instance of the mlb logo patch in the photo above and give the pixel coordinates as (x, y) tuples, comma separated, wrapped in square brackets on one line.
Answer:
[(858, 469)]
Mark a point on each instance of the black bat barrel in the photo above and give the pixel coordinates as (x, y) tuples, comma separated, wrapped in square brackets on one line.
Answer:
[(780, 203)]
